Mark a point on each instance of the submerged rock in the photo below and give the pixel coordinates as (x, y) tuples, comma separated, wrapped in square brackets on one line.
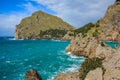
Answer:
[(32, 75)]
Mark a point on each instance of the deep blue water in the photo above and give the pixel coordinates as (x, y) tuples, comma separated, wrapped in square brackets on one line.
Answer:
[(48, 57)]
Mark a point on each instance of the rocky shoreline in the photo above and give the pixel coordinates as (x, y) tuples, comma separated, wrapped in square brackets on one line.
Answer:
[(92, 47), (103, 62)]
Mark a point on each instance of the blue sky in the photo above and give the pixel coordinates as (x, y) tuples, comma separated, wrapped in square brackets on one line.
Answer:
[(75, 12)]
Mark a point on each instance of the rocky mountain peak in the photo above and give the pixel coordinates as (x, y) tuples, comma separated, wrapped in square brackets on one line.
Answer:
[(39, 25), (117, 1)]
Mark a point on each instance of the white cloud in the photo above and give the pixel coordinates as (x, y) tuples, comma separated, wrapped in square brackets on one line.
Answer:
[(77, 12), (9, 21), (29, 7)]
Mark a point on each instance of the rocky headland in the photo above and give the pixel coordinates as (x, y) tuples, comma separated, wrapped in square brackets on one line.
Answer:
[(102, 62), (42, 25)]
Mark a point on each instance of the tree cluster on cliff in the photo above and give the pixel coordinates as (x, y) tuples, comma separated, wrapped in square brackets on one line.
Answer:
[(82, 30), (54, 33), (88, 65)]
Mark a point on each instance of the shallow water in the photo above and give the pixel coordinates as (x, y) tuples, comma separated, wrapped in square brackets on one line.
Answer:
[(112, 44), (48, 57)]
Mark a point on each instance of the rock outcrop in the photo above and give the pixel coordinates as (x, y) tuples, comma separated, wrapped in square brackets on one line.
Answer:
[(40, 25), (112, 66), (32, 75), (95, 74), (68, 36), (110, 26), (92, 46), (69, 76)]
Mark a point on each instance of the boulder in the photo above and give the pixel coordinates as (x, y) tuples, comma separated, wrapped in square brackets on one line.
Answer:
[(32, 75), (95, 74)]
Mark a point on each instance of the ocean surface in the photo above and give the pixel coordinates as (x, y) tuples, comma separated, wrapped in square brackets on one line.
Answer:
[(48, 57)]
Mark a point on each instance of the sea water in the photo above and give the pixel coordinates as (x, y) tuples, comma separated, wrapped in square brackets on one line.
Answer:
[(112, 44), (48, 57)]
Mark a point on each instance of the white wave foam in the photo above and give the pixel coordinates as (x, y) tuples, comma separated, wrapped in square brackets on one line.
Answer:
[(82, 60), (8, 61), (56, 40), (68, 52), (71, 55), (30, 66), (62, 51), (25, 59), (73, 68), (4, 77), (11, 38), (51, 78), (21, 63), (3, 57)]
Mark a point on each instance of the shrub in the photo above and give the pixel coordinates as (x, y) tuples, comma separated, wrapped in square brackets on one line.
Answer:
[(96, 33), (84, 29), (89, 64), (53, 32)]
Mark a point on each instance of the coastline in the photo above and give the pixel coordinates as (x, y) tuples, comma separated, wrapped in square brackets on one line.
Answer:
[(55, 67)]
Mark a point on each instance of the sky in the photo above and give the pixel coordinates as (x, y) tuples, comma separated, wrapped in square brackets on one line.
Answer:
[(75, 12)]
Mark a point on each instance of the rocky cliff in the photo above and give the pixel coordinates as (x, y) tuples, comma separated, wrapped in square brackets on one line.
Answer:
[(41, 26), (91, 46)]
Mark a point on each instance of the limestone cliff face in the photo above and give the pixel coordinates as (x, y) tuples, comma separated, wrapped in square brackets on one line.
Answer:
[(92, 46), (110, 23), (69, 76), (67, 36), (98, 72), (30, 27), (89, 45)]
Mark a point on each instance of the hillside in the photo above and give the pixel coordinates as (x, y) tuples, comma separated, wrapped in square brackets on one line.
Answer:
[(102, 61), (39, 25)]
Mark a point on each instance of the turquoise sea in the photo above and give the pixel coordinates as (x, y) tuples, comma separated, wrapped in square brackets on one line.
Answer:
[(112, 44), (48, 57)]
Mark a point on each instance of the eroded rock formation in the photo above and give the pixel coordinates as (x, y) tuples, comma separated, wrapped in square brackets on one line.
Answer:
[(32, 75), (92, 46)]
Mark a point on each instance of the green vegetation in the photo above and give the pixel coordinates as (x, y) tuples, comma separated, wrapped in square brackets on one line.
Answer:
[(90, 28), (41, 21), (89, 64), (84, 29), (96, 33), (72, 34), (54, 33)]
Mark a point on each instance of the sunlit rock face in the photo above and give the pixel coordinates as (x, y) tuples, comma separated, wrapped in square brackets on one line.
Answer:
[(32, 75), (90, 46), (32, 27)]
